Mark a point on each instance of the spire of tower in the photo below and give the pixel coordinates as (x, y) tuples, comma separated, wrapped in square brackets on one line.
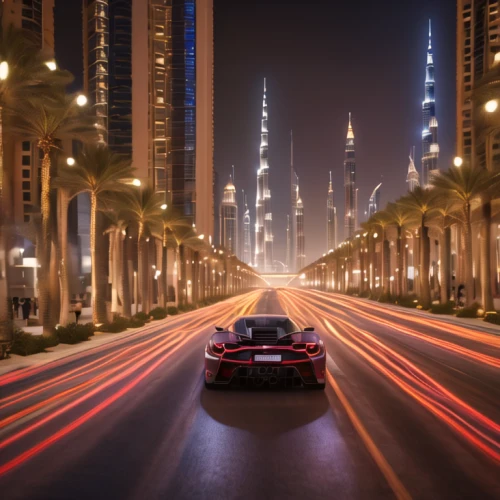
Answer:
[(291, 148), (350, 132), (233, 172), (430, 44), (330, 185)]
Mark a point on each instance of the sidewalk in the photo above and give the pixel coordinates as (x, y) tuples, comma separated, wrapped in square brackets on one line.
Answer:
[(16, 362)]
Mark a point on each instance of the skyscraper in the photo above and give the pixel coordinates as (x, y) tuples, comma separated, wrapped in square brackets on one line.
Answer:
[(288, 259), (430, 147), (350, 211), (374, 201), (264, 218), (228, 217), (412, 178), (148, 73), (478, 52), (247, 236), (331, 219), (300, 248), (294, 197)]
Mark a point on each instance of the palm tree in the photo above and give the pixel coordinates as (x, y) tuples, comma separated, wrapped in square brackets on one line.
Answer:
[(382, 220), (464, 185), (171, 222), (23, 77), (143, 207), (420, 204), (400, 218), (100, 173), (48, 123)]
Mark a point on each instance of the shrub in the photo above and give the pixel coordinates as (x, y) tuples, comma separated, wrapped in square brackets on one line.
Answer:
[(172, 311), (492, 317), (141, 316), (186, 307), (469, 311), (410, 301), (25, 344), (158, 313), (136, 323), (366, 294), (385, 298), (448, 308), (74, 333)]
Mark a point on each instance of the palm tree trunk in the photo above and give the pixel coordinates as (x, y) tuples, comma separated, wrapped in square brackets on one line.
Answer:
[(384, 266), (5, 329), (62, 227), (126, 277), (425, 258), (445, 274), (485, 243), (469, 275), (400, 260), (164, 269), (182, 275), (93, 228)]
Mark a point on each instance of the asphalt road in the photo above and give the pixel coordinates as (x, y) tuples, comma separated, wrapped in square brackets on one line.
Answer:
[(411, 410)]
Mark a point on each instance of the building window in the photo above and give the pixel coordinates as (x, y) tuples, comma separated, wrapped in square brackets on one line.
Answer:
[(26, 218), (26, 185), (26, 174), (26, 161), (27, 196), (26, 146)]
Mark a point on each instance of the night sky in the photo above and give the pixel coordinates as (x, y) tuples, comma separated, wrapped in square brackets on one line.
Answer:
[(322, 59)]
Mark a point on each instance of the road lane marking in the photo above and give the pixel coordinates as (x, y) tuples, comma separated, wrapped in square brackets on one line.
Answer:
[(396, 485)]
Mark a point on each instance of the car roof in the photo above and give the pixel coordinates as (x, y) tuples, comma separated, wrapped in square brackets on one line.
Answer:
[(270, 316)]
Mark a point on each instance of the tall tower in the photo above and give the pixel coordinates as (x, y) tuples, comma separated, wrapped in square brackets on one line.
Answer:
[(294, 197), (264, 218), (247, 236), (148, 73), (331, 219), (374, 201), (228, 216), (300, 248), (350, 211), (413, 179), (288, 260), (430, 147)]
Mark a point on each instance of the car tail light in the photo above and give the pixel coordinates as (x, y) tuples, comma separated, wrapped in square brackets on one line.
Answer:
[(299, 347), (217, 349), (312, 349)]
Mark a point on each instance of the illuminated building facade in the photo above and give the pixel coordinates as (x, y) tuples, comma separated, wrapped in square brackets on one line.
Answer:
[(228, 217), (148, 73), (430, 147), (374, 201), (247, 236), (300, 239), (350, 192), (294, 197), (264, 218), (331, 219), (412, 178)]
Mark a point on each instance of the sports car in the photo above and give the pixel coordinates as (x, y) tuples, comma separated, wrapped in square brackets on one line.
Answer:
[(265, 351)]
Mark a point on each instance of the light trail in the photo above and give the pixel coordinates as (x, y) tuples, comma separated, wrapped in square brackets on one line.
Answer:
[(130, 368), (477, 429)]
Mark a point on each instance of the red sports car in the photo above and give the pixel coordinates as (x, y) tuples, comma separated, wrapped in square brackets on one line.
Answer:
[(265, 350)]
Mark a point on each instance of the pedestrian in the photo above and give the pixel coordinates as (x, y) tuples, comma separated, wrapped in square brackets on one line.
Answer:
[(78, 311), (26, 309), (15, 306)]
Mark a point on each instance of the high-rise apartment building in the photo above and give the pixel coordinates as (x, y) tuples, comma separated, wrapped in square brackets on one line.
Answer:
[(412, 178), (478, 52), (148, 72), (331, 219), (350, 208), (294, 198), (247, 236), (264, 218), (430, 147), (374, 201), (300, 249), (228, 217)]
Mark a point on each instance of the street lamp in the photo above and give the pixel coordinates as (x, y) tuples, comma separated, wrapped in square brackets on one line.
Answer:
[(4, 70), (458, 161), (70, 161), (164, 206), (51, 65), (136, 182), (491, 106), (81, 100)]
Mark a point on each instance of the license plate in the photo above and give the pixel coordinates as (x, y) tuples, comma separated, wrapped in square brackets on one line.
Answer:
[(275, 358)]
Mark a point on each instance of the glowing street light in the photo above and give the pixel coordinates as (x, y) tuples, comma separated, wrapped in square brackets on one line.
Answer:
[(70, 161), (51, 65), (81, 100), (4, 70), (164, 206), (457, 161), (136, 182), (375, 235), (201, 236), (491, 106)]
